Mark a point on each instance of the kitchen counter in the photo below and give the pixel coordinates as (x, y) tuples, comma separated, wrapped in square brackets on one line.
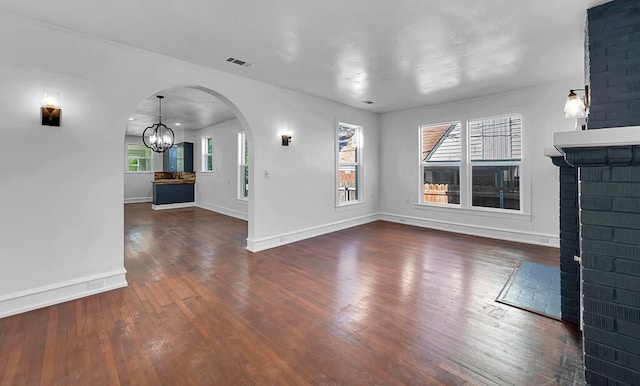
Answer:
[(174, 181), (171, 189)]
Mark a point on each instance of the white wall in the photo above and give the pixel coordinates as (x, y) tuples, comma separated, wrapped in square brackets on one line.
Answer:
[(218, 190), (541, 108), (62, 215)]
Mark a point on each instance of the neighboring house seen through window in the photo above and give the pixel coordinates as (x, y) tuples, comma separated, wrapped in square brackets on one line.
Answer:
[(349, 163), (492, 160), (441, 163), (495, 151)]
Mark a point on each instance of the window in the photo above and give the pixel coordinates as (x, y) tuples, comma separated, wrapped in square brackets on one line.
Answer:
[(479, 167), (495, 151), (349, 163), (440, 156), (207, 154), (138, 158), (243, 168)]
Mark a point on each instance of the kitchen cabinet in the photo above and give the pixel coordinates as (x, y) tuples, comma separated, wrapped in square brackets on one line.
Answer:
[(179, 158)]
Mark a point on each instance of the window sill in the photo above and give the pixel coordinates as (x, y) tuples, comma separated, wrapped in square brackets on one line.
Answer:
[(243, 200), (349, 205), (129, 172), (476, 211)]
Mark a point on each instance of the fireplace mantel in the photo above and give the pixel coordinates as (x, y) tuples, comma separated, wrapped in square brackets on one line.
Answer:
[(610, 137)]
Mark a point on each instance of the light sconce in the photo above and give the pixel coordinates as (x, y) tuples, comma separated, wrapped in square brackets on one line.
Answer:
[(50, 110), (575, 107), (158, 137), (286, 138)]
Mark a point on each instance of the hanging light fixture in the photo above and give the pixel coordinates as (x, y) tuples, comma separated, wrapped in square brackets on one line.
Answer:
[(158, 137)]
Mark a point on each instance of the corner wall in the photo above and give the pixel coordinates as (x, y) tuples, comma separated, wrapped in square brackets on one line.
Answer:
[(218, 190), (541, 109)]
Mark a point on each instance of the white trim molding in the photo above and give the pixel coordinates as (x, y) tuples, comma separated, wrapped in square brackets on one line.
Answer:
[(257, 245), (476, 230), (137, 200), (23, 301), (613, 136), (173, 206), (222, 210)]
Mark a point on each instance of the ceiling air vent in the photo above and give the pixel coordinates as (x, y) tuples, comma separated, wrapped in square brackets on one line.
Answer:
[(239, 62)]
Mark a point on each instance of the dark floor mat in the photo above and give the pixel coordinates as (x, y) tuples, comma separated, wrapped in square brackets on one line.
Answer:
[(533, 287)]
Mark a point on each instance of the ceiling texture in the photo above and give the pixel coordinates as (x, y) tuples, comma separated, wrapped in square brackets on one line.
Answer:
[(397, 54)]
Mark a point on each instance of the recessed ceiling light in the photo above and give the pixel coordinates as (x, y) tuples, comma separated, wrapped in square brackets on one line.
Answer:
[(367, 102), (132, 119), (177, 123)]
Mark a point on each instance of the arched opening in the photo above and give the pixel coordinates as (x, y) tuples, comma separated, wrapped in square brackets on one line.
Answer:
[(212, 126)]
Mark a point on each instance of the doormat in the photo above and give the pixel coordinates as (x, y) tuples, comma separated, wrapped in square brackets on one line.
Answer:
[(533, 287)]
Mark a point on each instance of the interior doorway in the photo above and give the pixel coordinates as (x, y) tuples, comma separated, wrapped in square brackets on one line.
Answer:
[(212, 126)]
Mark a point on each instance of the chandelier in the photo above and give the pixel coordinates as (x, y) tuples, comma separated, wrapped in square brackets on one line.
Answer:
[(158, 137)]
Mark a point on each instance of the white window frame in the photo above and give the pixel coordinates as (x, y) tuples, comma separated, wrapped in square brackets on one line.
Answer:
[(466, 168), (358, 165), (127, 157), (424, 164), (511, 162), (206, 155), (243, 184)]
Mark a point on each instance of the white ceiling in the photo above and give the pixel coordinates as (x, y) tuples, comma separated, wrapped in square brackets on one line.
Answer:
[(190, 108), (398, 54)]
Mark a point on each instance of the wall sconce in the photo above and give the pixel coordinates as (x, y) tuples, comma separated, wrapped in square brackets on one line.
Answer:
[(575, 107), (50, 110), (286, 138)]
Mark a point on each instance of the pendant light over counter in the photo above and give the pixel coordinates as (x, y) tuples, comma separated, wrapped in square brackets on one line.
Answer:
[(158, 137)]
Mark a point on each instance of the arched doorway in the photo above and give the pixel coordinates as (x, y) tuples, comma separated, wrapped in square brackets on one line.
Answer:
[(206, 119)]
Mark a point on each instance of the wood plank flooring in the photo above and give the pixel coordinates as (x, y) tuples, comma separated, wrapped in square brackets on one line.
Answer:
[(379, 304)]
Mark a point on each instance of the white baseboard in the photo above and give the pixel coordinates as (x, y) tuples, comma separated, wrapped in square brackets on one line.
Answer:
[(137, 200), (476, 230), (173, 206), (222, 210), (19, 302), (257, 245)]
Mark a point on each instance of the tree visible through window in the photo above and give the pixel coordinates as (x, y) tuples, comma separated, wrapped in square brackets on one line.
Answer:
[(243, 162), (207, 154), (138, 158), (349, 163)]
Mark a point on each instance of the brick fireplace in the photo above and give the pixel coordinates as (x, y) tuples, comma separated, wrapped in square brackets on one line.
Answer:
[(600, 200)]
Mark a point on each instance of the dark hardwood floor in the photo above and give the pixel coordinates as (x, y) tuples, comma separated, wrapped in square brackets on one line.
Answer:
[(377, 304)]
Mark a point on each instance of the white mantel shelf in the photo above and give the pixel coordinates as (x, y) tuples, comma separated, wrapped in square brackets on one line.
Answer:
[(614, 136)]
